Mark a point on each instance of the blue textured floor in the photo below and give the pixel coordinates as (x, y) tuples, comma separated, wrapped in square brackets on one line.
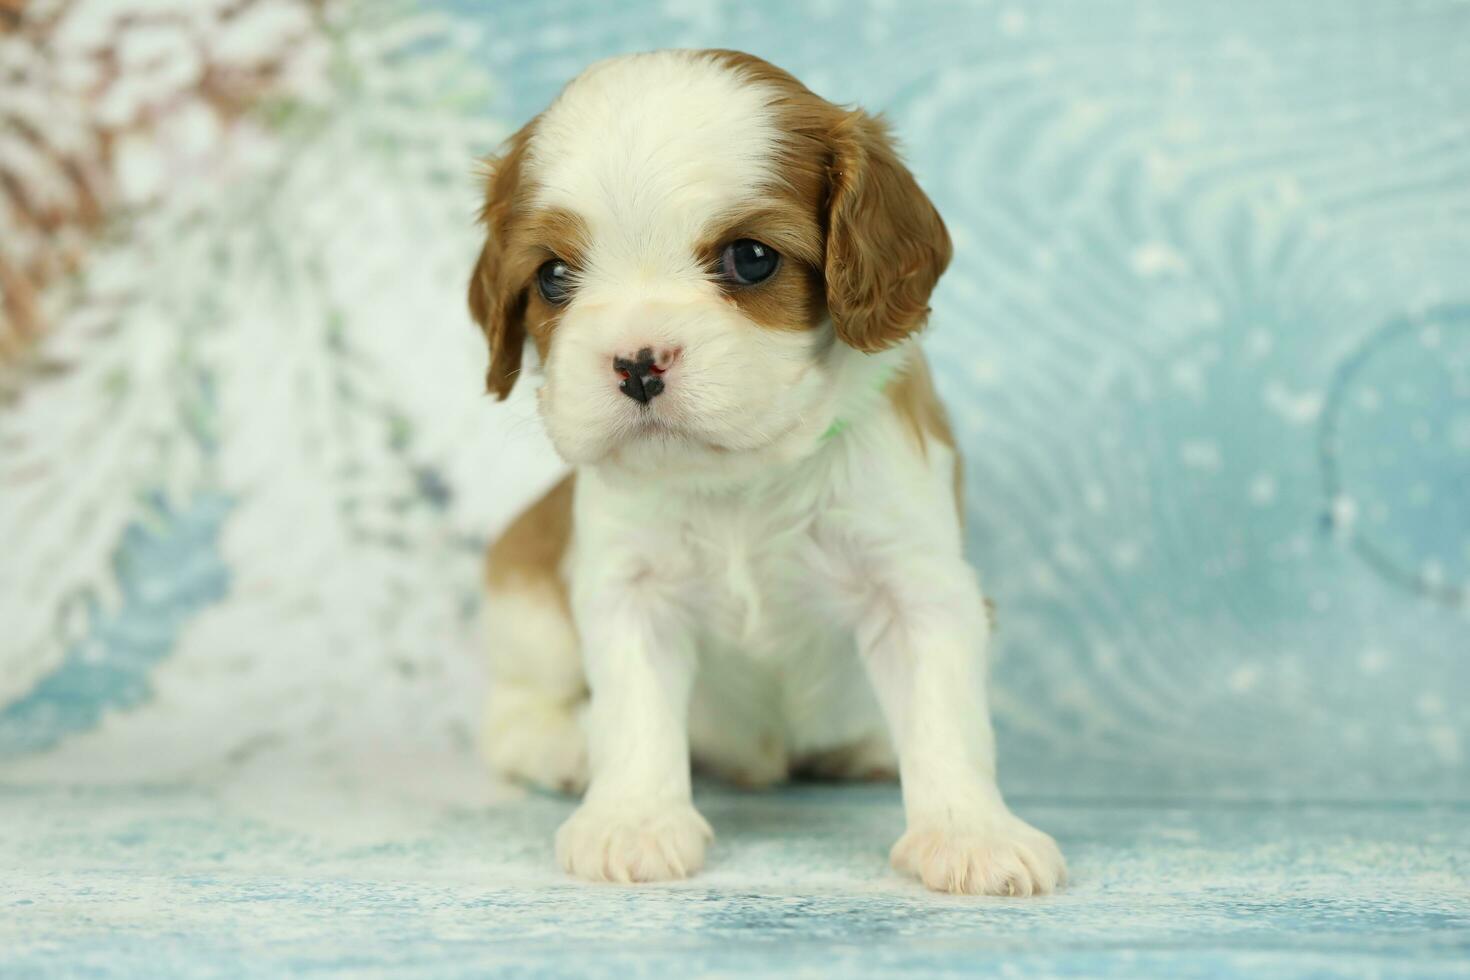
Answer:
[(151, 883)]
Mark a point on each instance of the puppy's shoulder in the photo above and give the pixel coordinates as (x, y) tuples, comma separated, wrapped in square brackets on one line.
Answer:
[(531, 549), (912, 397)]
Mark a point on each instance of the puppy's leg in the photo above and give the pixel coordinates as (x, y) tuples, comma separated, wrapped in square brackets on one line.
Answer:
[(532, 731), (637, 822), (926, 657)]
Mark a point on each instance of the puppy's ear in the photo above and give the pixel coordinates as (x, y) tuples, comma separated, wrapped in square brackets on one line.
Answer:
[(500, 311), (886, 245), (497, 304)]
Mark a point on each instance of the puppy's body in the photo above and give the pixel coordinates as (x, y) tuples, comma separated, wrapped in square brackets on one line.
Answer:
[(771, 573), (759, 555)]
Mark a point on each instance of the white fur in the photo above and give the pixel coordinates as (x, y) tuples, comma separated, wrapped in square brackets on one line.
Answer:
[(738, 581)]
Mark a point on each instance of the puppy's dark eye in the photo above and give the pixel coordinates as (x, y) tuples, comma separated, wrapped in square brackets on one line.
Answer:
[(554, 280), (747, 261)]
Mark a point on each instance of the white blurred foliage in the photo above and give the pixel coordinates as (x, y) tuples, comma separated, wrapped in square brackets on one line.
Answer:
[(296, 340), (114, 103)]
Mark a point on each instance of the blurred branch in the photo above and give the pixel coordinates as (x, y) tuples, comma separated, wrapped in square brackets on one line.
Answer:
[(84, 83)]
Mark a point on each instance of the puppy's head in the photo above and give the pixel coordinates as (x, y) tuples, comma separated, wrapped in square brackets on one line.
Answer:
[(694, 242)]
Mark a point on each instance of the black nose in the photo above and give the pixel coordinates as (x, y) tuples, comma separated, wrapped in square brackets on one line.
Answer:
[(642, 379)]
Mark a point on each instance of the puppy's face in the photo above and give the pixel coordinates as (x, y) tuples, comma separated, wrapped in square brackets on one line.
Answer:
[(691, 240)]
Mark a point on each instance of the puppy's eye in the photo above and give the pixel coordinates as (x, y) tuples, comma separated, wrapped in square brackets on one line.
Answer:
[(747, 262), (554, 280)]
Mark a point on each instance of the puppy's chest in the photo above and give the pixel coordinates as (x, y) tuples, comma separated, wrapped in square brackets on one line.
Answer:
[(759, 578)]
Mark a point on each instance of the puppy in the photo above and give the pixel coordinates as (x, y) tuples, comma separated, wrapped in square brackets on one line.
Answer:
[(756, 562)]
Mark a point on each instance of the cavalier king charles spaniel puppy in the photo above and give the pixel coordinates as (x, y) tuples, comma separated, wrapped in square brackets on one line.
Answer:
[(755, 566)]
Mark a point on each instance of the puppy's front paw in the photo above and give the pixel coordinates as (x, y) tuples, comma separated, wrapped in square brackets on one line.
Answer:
[(1001, 856), (627, 844)]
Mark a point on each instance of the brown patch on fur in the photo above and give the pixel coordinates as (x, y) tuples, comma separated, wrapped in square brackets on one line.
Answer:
[(497, 302), (530, 551), (532, 239), (503, 296), (885, 245), (794, 297), (912, 395)]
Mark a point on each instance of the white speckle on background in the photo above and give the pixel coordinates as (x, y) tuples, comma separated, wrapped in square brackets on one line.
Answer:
[(1288, 191), (1296, 407), (1069, 556), (1244, 678), (983, 371), (139, 168), (1446, 743), (1433, 574), (1152, 259), (1460, 432), (1163, 170), (1013, 22), (1429, 703), (1262, 489), (1372, 661), (1189, 377), (1126, 554), (193, 131), (1259, 343), (1201, 454)]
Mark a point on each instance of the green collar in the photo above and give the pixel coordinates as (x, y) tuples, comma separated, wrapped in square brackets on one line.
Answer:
[(839, 424), (834, 430)]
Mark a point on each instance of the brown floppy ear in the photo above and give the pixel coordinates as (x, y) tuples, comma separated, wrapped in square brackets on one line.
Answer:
[(501, 316), (497, 304), (886, 245)]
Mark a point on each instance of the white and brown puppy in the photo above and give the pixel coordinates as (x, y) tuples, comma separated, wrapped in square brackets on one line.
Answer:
[(757, 560)]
